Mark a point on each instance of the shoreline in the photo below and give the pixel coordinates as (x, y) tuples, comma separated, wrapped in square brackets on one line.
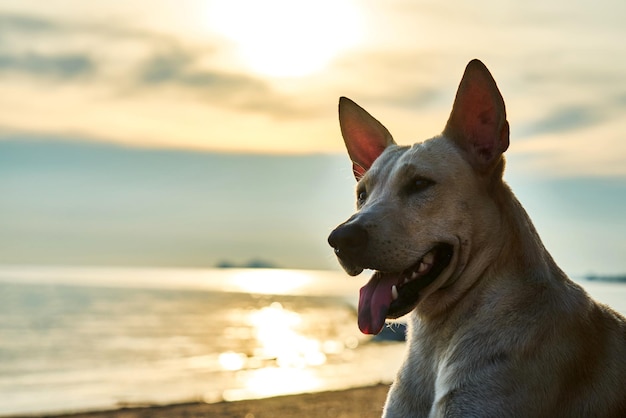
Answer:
[(362, 402)]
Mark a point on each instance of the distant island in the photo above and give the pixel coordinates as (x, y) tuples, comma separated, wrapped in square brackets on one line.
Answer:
[(614, 279), (251, 264)]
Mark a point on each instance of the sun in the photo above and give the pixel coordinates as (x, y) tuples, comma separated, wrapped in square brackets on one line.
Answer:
[(286, 38)]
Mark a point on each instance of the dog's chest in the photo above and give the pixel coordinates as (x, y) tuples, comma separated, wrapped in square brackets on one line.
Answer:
[(445, 381), (427, 375)]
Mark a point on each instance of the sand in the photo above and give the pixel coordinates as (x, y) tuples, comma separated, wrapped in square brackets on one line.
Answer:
[(352, 403)]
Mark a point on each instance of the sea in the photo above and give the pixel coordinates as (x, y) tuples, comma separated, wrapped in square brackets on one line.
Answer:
[(79, 339)]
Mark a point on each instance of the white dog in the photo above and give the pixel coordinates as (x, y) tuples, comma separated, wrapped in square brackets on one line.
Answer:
[(496, 329)]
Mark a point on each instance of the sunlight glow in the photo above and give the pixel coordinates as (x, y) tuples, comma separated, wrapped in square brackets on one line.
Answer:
[(275, 381), (232, 361), (270, 281), (285, 38)]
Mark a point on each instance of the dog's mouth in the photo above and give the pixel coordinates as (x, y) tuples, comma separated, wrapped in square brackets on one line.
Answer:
[(391, 295)]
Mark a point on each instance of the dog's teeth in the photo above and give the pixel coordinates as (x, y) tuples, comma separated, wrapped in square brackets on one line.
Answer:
[(414, 275), (428, 258), (406, 280), (394, 292), (423, 267)]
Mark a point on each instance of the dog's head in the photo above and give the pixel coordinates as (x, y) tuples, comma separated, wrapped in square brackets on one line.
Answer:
[(421, 210)]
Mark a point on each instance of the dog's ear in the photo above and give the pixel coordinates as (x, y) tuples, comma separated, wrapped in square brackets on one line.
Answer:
[(478, 120), (365, 137)]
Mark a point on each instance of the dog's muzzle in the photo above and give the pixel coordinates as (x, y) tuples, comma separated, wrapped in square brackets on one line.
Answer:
[(391, 293), (349, 240)]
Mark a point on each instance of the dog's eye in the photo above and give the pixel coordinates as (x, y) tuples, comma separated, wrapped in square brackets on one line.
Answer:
[(361, 197), (419, 185)]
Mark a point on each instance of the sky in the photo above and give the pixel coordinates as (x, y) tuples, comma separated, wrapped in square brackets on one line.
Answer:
[(229, 107)]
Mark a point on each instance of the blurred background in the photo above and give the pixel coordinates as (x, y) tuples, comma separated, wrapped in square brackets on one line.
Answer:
[(177, 137)]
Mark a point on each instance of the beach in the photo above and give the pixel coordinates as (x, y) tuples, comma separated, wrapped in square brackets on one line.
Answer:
[(362, 402)]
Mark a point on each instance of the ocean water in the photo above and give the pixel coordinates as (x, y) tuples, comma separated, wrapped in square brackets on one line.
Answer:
[(83, 339), (73, 340)]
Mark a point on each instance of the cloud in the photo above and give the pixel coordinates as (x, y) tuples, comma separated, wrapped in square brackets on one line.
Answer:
[(129, 62), (62, 66), (414, 98), (561, 120), (24, 23), (180, 68), (22, 53), (405, 78), (164, 78)]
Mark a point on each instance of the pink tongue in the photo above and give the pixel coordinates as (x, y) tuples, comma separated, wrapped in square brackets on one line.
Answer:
[(374, 301)]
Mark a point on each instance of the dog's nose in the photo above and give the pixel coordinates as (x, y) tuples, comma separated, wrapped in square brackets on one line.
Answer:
[(348, 240)]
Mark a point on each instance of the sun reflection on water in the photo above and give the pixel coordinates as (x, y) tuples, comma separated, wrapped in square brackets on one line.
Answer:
[(282, 360), (278, 338)]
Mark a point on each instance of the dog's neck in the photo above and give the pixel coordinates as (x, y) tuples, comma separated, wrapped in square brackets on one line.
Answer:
[(521, 251)]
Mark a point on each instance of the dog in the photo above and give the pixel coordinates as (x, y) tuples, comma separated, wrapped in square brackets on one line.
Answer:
[(495, 328)]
